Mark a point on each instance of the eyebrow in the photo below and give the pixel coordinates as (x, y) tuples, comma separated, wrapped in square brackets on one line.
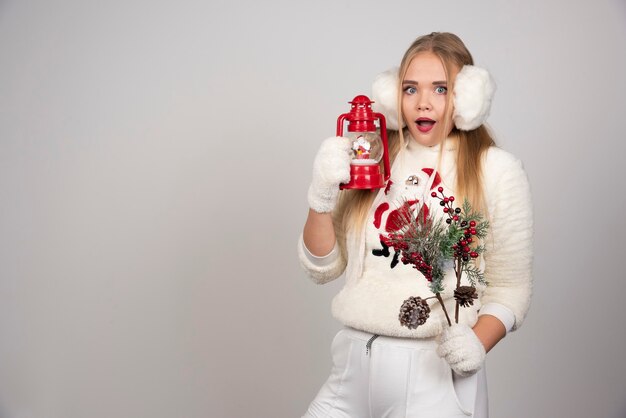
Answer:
[(435, 83)]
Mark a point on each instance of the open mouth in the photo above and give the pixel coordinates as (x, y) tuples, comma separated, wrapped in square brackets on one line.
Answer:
[(425, 124)]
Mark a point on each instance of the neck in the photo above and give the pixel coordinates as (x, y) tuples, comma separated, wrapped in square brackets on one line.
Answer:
[(450, 143)]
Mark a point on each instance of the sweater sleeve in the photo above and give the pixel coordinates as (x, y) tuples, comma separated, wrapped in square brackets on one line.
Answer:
[(321, 269), (509, 252)]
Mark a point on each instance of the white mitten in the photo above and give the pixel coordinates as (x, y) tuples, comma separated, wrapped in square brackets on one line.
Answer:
[(462, 349), (330, 168)]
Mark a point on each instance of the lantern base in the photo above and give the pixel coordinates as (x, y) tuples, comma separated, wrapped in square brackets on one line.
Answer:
[(365, 177)]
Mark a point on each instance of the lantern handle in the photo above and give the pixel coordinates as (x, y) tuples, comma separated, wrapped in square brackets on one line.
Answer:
[(383, 134), (340, 121)]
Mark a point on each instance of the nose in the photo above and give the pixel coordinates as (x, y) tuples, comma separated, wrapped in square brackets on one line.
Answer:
[(423, 102)]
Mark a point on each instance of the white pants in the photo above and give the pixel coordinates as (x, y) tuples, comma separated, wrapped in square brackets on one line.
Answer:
[(398, 378)]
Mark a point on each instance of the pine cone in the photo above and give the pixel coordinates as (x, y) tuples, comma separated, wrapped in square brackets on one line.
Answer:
[(465, 295), (414, 312)]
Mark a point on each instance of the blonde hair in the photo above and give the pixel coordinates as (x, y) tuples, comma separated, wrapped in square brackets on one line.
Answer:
[(354, 205)]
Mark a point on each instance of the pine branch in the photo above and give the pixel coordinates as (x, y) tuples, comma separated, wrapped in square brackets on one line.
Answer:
[(481, 229), (426, 243), (443, 306), (474, 274)]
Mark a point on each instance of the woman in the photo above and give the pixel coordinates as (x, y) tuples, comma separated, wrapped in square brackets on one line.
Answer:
[(381, 366)]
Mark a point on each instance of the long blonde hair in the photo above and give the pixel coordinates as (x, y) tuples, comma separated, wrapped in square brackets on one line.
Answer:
[(354, 205)]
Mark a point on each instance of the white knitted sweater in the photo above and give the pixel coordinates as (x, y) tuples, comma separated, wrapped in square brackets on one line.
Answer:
[(373, 292)]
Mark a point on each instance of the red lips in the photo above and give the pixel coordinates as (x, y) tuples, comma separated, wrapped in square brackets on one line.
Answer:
[(424, 124)]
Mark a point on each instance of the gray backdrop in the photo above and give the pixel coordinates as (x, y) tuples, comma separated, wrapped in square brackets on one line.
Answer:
[(154, 161)]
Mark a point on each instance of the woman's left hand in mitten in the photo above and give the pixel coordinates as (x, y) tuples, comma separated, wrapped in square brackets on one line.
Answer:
[(462, 349)]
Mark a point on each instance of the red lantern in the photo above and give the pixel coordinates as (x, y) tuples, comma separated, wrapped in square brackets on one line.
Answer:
[(368, 148)]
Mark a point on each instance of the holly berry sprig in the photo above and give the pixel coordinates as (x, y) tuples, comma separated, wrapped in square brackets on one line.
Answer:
[(417, 260), (427, 243), (466, 229)]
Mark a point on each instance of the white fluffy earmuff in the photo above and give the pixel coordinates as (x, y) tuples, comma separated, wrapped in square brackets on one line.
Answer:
[(385, 97), (473, 92)]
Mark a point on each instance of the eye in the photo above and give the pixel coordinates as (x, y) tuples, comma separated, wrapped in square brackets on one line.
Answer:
[(441, 90), (410, 90)]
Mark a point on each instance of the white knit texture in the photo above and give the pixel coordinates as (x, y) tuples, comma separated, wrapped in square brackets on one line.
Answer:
[(324, 260), (320, 274), (473, 92), (331, 167), (462, 349)]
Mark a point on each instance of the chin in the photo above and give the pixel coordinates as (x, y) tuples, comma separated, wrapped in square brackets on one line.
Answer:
[(430, 143), (424, 140)]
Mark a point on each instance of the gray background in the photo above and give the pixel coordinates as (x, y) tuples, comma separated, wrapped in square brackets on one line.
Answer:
[(154, 160)]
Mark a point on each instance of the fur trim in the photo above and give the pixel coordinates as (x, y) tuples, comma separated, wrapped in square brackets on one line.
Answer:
[(462, 349), (473, 92), (385, 97)]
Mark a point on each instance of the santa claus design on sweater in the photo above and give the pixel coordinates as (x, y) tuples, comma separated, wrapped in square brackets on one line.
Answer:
[(406, 199)]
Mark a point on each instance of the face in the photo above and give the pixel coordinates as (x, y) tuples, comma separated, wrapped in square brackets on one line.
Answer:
[(424, 97)]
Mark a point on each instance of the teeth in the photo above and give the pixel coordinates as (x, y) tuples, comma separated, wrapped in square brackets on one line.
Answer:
[(425, 122)]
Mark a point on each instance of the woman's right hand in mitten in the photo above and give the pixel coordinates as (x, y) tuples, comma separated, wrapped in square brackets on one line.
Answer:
[(330, 168), (462, 349)]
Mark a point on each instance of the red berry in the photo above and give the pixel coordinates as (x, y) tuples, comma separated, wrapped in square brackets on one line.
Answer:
[(451, 198), (434, 194), (469, 239), (445, 210), (456, 218), (467, 231), (463, 243), (473, 231), (446, 200), (440, 189), (472, 223), (466, 249), (473, 254)]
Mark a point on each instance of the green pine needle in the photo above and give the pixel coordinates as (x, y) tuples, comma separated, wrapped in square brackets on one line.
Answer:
[(433, 239)]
